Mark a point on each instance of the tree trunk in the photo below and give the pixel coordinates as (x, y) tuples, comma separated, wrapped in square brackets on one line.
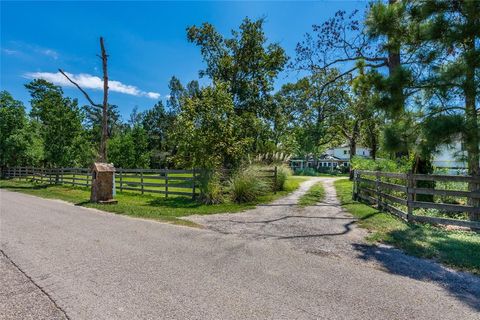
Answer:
[(353, 145), (472, 139), (103, 142)]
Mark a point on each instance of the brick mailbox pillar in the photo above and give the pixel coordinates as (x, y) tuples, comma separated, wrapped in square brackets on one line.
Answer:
[(102, 183)]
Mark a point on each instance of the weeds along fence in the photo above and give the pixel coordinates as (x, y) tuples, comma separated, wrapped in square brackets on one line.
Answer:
[(159, 181), (436, 199)]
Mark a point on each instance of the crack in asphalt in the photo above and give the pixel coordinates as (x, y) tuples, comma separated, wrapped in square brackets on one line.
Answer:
[(35, 284)]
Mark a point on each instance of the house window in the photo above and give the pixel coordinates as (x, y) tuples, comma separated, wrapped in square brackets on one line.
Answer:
[(345, 164), (334, 164), (329, 164), (363, 152), (345, 151)]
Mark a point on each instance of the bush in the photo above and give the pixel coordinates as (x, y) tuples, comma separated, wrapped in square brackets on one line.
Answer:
[(210, 187), (247, 185), (321, 171), (385, 165), (283, 172)]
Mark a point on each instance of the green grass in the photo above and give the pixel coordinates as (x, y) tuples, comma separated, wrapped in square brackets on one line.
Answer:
[(458, 249), (314, 195), (148, 206)]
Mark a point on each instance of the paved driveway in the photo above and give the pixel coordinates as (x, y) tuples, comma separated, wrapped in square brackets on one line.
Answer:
[(96, 265)]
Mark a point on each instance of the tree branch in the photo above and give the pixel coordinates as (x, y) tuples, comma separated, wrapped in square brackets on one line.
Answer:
[(80, 88)]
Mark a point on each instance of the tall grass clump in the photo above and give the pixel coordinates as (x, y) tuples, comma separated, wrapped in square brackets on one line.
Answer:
[(247, 185), (283, 172), (210, 187)]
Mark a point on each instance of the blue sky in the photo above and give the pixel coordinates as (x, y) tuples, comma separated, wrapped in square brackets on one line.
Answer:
[(146, 41)]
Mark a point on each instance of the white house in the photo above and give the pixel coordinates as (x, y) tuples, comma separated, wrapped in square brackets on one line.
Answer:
[(343, 152), (331, 159), (452, 157)]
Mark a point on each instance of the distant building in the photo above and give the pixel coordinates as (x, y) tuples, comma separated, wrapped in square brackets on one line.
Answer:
[(451, 157), (343, 152), (332, 158)]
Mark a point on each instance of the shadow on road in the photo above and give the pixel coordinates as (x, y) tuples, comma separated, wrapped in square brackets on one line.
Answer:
[(463, 286)]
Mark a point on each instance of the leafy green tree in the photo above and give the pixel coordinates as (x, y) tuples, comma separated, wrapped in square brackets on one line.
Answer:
[(60, 121), (313, 106), (158, 124), (245, 61), (129, 149), (19, 143), (206, 131), (248, 65)]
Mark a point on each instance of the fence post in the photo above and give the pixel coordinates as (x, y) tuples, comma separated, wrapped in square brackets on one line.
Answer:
[(141, 179), (121, 180), (193, 184), (410, 200), (74, 177), (275, 180), (377, 190), (166, 182), (355, 185)]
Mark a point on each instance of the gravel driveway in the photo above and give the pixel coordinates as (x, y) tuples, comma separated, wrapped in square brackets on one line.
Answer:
[(95, 265), (323, 228)]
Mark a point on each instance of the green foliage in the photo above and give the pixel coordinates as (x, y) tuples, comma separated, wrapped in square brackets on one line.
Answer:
[(130, 149), (158, 124), (19, 141), (245, 61), (398, 165), (210, 187), (206, 131), (283, 173), (247, 185), (248, 65), (60, 122)]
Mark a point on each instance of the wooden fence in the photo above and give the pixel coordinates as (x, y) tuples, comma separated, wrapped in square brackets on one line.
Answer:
[(397, 194), (163, 181), (159, 181)]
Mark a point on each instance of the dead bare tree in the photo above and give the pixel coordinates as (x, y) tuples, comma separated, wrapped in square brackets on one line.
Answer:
[(104, 105)]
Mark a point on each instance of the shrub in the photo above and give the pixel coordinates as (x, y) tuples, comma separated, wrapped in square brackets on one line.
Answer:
[(247, 185), (210, 187), (283, 172), (386, 165)]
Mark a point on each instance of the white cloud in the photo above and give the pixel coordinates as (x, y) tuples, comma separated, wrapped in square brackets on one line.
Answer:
[(10, 51), (48, 52), (87, 81), (153, 95)]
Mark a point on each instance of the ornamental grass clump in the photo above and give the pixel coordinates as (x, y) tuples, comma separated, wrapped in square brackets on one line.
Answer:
[(283, 172), (247, 185), (210, 187)]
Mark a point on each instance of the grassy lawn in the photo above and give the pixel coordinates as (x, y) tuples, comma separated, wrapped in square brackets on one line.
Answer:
[(155, 207), (458, 249), (314, 195)]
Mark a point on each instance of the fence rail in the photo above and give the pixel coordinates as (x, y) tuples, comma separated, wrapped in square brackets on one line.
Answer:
[(162, 181), (157, 181), (398, 193)]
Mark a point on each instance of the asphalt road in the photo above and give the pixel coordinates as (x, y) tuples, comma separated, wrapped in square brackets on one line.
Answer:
[(94, 265)]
